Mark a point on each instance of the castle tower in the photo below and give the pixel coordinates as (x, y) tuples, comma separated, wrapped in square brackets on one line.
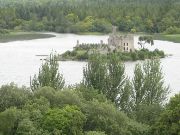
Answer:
[(77, 44), (114, 30)]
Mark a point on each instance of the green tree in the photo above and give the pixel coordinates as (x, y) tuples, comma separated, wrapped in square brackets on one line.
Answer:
[(169, 121), (154, 85), (95, 73), (26, 127), (149, 91), (72, 18), (101, 25), (95, 133), (107, 76), (68, 120), (9, 120), (115, 80), (138, 81), (48, 75), (12, 96), (145, 40), (114, 122)]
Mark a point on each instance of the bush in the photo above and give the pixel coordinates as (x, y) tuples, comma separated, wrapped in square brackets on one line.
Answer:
[(172, 30), (12, 96), (3, 31), (168, 122), (111, 122), (68, 120)]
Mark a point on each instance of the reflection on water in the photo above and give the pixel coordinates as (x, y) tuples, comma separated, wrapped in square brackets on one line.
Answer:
[(18, 60)]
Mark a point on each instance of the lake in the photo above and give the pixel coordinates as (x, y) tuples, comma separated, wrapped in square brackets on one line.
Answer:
[(19, 60)]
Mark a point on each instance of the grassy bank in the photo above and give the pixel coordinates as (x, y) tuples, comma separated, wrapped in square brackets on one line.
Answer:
[(168, 37), (91, 33), (18, 36)]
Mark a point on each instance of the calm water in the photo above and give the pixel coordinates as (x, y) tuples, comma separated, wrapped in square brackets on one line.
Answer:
[(18, 60)]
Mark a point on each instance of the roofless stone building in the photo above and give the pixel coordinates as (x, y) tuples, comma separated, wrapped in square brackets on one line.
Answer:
[(116, 42), (123, 43)]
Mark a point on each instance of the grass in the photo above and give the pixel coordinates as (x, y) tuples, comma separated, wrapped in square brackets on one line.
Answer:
[(168, 37), (91, 33), (19, 36)]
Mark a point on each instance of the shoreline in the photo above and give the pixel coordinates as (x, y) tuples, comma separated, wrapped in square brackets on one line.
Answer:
[(175, 38), (23, 36)]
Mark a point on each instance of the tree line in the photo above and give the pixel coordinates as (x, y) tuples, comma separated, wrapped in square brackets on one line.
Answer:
[(106, 102), (76, 16)]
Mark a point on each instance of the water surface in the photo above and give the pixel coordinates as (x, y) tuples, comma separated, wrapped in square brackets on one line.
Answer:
[(18, 60)]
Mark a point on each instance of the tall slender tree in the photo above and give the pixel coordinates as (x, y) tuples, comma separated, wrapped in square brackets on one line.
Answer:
[(108, 76), (149, 91), (115, 80), (95, 73), (48, 75)]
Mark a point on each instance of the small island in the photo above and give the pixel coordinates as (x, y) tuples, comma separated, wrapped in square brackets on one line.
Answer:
[(122, 45)]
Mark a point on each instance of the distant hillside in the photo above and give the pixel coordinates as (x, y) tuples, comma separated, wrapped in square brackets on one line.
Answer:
[(152, 16)]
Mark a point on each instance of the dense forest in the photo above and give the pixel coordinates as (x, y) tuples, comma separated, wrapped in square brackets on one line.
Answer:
[(106, 102), (75, 16)]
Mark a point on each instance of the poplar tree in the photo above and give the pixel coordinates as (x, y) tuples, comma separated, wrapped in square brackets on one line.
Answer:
[(115, 80), (48, 75), (149, 91), (108, 76), (148, 83), (95, 73)]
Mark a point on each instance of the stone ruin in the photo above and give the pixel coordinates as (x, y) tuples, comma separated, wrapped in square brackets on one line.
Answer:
[(116, 42)]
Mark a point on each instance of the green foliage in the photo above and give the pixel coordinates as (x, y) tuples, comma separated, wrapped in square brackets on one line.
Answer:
[(169, 120), (67, 97), (9, 121), (84, 51), (148, 114), (113, 122), (149, 92), (172, 30), (115, 79), (95, 133), (149, 84), (89, 16), (72, 18), (3, 31), (11, 95), (108, 76), (68, 120), (95, 73), (26, 127), (48, 75), (95, 107), (145, 40), (90, 94)]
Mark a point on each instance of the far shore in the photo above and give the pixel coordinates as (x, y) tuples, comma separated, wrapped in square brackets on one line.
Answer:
[(160, 36), (21, 36), (168, 37)]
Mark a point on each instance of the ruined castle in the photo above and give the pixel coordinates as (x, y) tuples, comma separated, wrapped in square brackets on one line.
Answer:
[(123, 43), (116, 42)]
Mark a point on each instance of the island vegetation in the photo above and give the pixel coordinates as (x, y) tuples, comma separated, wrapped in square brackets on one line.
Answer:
[(106, 102), (83, 52)]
